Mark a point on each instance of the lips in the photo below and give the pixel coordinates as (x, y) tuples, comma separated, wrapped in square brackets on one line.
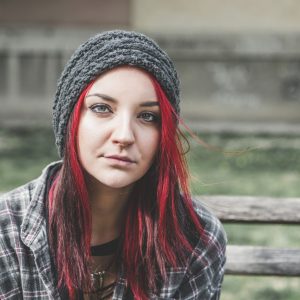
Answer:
[(120, 158)]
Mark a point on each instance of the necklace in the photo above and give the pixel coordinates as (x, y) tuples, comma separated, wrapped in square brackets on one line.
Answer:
[(99, 289), (97, 280), (98, 277)]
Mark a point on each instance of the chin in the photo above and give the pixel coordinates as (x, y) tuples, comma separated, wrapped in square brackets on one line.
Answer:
[(116, 183)]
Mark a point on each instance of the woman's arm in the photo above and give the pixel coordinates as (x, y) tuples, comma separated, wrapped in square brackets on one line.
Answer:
[(204, 279), (206, 267)]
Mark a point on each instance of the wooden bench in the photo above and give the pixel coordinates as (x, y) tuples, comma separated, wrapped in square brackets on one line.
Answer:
[(254, 260)]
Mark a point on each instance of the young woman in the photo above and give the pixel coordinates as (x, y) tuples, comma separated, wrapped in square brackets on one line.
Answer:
[(114, 219)]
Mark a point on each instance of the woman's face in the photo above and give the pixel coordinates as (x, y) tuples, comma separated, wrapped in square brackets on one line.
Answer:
[(119, 127)]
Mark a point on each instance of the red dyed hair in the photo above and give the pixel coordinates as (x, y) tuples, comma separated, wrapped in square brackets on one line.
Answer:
[(161, 226), (69, 214)]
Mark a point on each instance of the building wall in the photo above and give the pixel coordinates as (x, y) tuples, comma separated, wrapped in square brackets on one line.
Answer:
[(235, 63), (216, 15), (65, 12)]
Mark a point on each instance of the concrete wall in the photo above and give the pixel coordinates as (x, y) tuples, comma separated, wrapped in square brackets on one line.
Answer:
[(231, 77), (65, 12), (224, 77), (238, 60), (216, 15)]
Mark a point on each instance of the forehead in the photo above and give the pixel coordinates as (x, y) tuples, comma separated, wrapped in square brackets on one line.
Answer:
[(125, 80)]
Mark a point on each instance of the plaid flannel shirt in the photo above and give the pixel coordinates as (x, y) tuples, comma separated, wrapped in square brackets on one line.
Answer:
[(26, 271)]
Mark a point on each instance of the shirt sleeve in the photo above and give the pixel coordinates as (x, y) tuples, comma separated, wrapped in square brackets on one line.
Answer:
[(203, 283), (205, 271), (218, 280)]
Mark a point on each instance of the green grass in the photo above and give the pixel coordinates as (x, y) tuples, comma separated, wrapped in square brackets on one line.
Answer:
[(270, 168), (260, 288), (23, 154)]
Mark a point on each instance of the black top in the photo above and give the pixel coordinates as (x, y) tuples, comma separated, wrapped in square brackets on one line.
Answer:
[(106, 248), (98, 250)]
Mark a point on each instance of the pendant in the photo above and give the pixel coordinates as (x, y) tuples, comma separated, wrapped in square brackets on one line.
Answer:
[(97, 280)]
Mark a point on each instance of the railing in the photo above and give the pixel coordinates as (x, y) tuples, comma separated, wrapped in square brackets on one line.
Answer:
[(255, 260)]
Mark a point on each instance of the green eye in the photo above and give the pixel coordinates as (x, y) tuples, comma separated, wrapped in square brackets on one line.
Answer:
[(100, 108), (149, 117)]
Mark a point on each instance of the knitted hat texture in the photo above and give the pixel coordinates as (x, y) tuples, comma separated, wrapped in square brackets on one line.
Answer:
[(104, 52)]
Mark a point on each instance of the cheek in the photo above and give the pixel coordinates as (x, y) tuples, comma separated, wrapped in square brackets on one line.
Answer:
[(90, 125), (82, 137), (87, 135), (150, 143)]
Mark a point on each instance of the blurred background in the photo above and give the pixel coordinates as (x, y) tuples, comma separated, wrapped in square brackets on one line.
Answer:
[(239, 64)]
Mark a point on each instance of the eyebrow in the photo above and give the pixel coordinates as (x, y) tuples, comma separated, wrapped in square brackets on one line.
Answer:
[(109, 98)]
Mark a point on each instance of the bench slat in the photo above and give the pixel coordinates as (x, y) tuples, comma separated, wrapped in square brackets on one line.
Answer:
[(250, 260), (254, 209)]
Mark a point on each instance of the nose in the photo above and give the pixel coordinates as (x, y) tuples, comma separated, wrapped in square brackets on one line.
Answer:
[(123, 133)]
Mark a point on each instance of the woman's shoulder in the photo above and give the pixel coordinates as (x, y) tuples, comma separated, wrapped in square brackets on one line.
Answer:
[(17, 199), (209, 220), (14, 204), (203, 273), (13, 207), (213, 239)]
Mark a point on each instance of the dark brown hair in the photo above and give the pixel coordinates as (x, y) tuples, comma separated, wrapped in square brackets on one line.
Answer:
[(159, 221)]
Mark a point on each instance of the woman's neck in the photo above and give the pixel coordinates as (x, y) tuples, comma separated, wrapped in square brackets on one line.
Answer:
[(107, 210)]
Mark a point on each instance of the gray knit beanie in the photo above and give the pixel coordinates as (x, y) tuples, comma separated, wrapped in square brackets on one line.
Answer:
[(104, 52)]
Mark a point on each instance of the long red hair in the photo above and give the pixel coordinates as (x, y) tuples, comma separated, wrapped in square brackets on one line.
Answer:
[(160, 228)]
